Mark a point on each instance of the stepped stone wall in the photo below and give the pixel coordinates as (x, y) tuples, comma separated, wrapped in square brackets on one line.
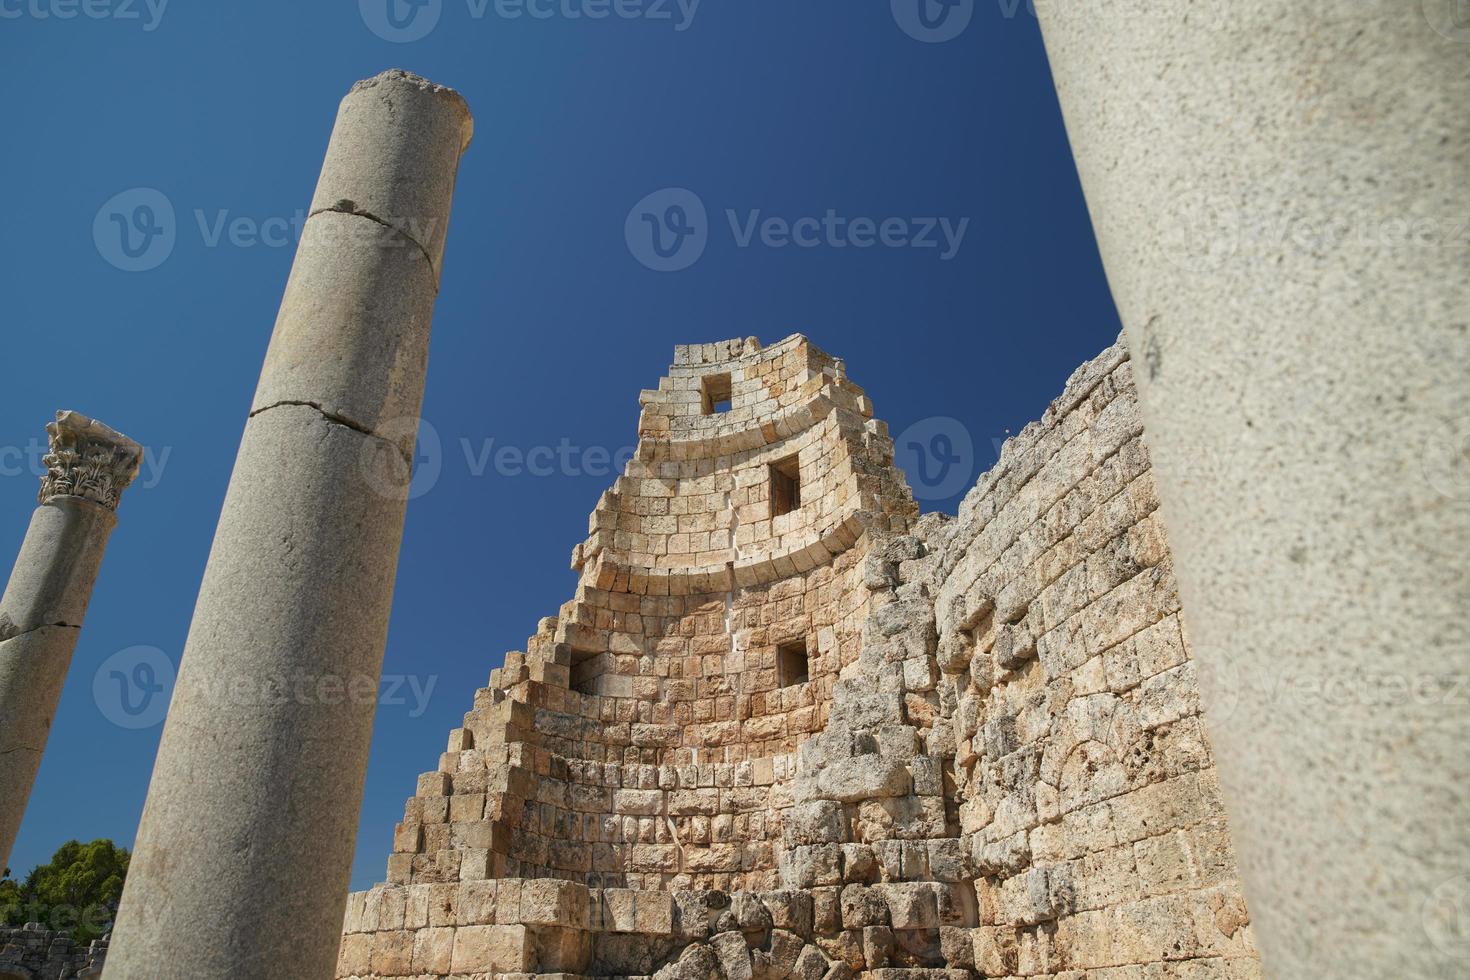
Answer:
[(807, 733), (33, 952)]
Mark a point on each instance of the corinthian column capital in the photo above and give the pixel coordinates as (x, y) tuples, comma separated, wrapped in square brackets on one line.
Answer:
[(88, 459)]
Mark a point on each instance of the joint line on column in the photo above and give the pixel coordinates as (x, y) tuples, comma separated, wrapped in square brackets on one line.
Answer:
[(359, 213), (333, 418)]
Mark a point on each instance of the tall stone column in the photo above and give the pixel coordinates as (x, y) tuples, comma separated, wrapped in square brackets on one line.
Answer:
[(87, 469), (1280, 194), (243, 856)]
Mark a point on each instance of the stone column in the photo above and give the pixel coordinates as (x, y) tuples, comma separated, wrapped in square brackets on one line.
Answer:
[(1280, 194), (244, 852), (87, 469)]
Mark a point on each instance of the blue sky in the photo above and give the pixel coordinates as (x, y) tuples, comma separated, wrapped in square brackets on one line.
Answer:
[(864, 130)]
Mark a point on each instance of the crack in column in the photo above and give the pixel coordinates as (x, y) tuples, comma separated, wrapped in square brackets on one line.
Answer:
[(7, 637), (334, 419), (351, 208)]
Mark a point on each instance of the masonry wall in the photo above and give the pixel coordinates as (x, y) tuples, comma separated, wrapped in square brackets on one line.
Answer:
[(1085, 785), (995, 767)]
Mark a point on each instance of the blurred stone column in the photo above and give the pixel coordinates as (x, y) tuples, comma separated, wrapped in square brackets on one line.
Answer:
[(88, 468), (245, 849), (1281, 194)]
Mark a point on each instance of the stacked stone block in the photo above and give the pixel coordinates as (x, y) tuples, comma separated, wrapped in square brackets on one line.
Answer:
[(35, 951), (994, 767)]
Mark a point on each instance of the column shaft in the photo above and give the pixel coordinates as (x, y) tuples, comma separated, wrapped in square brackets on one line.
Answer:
[(46, 598), (1280, 193), (244, 853)]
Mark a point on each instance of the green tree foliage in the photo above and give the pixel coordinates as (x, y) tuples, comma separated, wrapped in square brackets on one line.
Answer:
[(77, 890)]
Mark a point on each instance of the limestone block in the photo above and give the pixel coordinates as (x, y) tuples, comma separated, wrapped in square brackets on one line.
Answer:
[(734, 955), (433, 951), (1048, 892), (810, 964), (863, 905), (642, 802), (551, 901), (864, 778), (790, 910), (500, 949), (1014, 645)]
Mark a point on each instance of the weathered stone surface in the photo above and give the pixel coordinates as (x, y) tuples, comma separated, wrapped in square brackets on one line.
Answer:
[(46, 597), (1311, 464), (279, 678), (1048, 798)]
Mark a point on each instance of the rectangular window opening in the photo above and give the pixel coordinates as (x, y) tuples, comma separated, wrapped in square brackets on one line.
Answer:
[(792, 664), (584, 676), (785, 486), (714, 393)]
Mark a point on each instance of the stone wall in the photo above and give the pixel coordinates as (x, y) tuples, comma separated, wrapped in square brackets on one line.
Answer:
[(993, 767), (33, 952), (1085, 787)]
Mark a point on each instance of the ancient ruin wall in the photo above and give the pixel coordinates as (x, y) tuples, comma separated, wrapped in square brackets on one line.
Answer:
[(993, 765), (1085, 785)]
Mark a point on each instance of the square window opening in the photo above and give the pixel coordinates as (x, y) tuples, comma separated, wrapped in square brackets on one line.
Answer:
[(792, 664), (715, 393), (785, 486)]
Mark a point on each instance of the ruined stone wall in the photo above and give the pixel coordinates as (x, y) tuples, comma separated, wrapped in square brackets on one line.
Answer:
[(34, 951), (993, 765), (1085, 786)]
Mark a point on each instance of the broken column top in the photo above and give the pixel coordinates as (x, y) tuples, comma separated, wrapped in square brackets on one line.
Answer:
[(88, 459), (399, 75)]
